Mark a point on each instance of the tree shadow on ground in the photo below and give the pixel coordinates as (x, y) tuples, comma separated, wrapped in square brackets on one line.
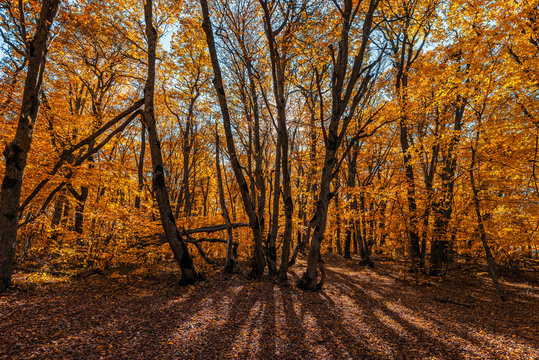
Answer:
[(360, 314)]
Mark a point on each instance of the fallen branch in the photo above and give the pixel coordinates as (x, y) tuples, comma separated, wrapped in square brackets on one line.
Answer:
[(192, 240), (214, 228)]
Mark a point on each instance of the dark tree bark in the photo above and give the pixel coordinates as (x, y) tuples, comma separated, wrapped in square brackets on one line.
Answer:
[(429, 170), (272, 234), (174, 237), (413, 236), (444, 206), (58, 207), (351, 227), (230, 258), (258, 263), (345, 97), (408, 30), (481, 226), (16, 152), (79, 209), (187, 146), (140, 169), (339, 224), (278, 67)]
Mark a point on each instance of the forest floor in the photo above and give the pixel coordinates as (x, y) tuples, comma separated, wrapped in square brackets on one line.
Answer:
[(381, 313)]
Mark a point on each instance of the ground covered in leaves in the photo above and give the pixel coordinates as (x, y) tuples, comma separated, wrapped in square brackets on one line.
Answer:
[(361, 313)]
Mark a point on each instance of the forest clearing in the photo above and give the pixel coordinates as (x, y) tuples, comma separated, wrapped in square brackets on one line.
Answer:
[(293, 179)]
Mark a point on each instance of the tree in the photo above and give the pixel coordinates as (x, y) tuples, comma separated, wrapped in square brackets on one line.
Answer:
[(174, 237), (16, 152), (345, 99), (258, 263)]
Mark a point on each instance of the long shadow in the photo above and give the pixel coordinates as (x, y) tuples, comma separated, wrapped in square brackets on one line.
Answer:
[(222, 337), (69, 323), (420, 310), (146, 322), (294, 326), (269, 332), (336, 337), (416, 338)]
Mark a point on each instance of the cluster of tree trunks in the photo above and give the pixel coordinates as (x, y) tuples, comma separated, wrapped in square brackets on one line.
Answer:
[(344, 86)]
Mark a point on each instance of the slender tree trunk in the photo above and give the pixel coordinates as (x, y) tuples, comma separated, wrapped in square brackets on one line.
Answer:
[(258, 263), (287, 190), (141, 165), (352, 227), (272, 235), (79, 209), (278, 64), (186, 148), (413, 237), (382, 225), (444, 208), (339, 224), (342, 100), (311, 191), (16, 152), (480, 225), (259, 176), (58, 207), (230, 258), (177, 243)]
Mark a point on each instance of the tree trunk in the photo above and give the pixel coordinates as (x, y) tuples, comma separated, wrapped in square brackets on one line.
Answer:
[(413, 237), (309, 278), (79, 209), (339, 224), (480, 225), (272, 235), (186, 149), (58, 208), (278, 64), (352, 222), (347, 244), (16, 152), (230, 256), (258, 263), (177, 243), (342, 90), (444, 208), (141, 165)]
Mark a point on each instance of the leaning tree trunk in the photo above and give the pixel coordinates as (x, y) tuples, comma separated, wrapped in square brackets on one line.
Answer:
[(174, 238), (345, 97), (230, 258), (16, 152), (309, 278), (140, 169), (481, 226), (258, 263)]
